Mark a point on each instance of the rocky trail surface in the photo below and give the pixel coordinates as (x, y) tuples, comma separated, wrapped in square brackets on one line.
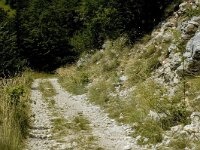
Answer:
[(107, 133)]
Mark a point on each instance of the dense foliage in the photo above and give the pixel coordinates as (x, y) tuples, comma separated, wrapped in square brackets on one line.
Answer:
[(52, 33), (11, 62)]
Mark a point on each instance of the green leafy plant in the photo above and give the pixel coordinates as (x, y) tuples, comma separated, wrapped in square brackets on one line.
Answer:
[(15, 94)]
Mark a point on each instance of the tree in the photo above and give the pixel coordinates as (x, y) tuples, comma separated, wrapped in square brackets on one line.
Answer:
[(10, 63), (47, 26)]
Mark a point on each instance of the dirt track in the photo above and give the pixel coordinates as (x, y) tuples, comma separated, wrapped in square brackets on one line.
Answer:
[(109, 135)]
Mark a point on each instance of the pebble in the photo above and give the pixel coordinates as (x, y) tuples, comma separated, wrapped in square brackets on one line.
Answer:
[(127, 147)]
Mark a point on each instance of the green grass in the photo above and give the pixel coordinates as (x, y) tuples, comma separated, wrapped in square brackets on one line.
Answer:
[(137, 63), (59, 127), (14, 111), (193, 88), (99, 92), (48, 92), (81, 123), (150, 130), (180, 143), (140, 67), (78, 128), (37, 75), (190, 12), (148, 96), (74, 81), (47, 89)]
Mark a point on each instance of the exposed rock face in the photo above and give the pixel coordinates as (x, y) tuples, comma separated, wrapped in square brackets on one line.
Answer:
[(193, 48), (192, 55), (189, 28)]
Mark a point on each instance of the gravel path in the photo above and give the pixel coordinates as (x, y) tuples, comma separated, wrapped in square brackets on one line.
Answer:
[(40, 135), (110, 135)]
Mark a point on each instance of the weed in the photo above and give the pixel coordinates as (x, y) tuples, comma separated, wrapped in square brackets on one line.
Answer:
[(15, 94), (193, 88), (47, 89), (99, 92), (140, 67), (79, 126), (150, 130), (59, 127), (190, 12), (180, 143), (75, 81), (197, 145), (81, 123), (96, 57), (177, 115), (14, 111)]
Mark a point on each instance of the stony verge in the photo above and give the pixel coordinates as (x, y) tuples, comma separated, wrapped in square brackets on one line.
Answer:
[(40, 132), (108, 134), (153, 84)]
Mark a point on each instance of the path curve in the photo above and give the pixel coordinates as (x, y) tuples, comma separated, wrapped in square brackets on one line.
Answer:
[(110, 135)]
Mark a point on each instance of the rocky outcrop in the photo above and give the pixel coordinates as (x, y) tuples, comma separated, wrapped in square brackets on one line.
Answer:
[(190, 132), (191, 63), (175, 64), (190, 27), (192, 55)]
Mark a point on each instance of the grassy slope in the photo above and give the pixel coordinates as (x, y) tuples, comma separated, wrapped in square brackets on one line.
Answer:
[(99, 76)]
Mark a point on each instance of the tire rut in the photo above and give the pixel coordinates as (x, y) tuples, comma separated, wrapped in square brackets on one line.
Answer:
[(40, 132), (111, 136), (108, 134)]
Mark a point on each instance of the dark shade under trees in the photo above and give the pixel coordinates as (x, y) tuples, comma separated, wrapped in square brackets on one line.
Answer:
[(11, 61), (51, 33)]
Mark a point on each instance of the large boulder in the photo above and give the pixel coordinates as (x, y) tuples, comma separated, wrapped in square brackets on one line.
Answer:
[(193, 48), (191, 62)]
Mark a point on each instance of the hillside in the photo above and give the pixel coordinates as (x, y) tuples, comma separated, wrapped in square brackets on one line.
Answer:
[(105, 74), (152, 85)]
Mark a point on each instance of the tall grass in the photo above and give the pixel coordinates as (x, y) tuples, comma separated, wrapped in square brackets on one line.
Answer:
[(14, 112), (142, 95), (73, 80)]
